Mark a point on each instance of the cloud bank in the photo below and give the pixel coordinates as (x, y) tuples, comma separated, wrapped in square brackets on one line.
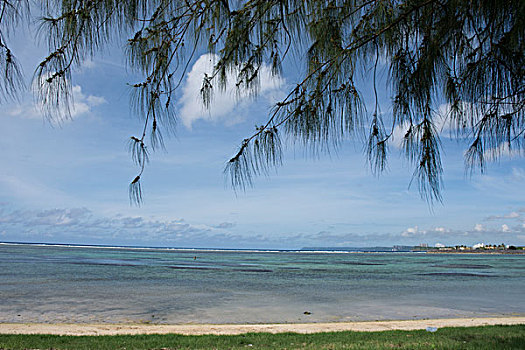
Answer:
[(83, 226)]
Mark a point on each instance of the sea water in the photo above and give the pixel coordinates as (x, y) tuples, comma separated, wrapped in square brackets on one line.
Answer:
[(122, 285)]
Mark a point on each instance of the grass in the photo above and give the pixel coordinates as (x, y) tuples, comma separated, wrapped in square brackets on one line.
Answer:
[(478, 338)]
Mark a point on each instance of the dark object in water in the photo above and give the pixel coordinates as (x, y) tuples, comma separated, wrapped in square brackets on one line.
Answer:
[(178, 267), (464, 266), (307, 313), (361, 263), (454, 274)]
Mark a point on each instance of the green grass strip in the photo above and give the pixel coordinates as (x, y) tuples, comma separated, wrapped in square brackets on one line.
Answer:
[(478, 338)]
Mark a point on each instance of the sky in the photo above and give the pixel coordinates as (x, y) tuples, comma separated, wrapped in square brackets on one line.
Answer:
[(67, 182)]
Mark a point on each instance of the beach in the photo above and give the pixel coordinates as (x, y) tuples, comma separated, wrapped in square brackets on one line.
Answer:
[(232, 329)]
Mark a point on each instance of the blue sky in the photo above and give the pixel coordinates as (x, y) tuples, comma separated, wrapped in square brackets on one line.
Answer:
[(67, 182)]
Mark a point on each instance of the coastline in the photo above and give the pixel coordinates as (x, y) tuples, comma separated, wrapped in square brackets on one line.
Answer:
[(307, 250), (232, 329), (474, 252)]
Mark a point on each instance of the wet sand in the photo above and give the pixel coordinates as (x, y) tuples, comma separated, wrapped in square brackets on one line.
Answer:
[(194, 329)]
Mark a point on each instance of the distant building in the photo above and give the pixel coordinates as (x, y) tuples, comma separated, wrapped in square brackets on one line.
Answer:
[(446, 248), (439, 245)]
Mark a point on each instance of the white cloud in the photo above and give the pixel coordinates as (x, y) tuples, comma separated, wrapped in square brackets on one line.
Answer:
[(95, 100), (505, 228), (512, 215), (224, 225), (479, 228), (399, 133), (442, 120), (437, 231), (411, 231), (502, 150), (82, 105), (60, 217), (441, 123), (228, 106), (88, 64), (26, 111)]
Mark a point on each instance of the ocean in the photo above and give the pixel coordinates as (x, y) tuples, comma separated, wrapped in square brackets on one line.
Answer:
[(75, 284)]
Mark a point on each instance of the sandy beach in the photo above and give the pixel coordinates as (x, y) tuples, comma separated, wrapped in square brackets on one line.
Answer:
[(190, 329)]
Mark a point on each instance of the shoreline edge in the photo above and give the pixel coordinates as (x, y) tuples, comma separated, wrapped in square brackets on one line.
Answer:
[(234, 329)]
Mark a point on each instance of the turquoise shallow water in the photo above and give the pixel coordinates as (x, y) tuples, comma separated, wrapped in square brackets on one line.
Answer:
[(79, 284)]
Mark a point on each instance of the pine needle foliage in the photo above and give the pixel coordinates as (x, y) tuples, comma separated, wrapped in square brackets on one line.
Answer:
[(11, 79), (467, 54)]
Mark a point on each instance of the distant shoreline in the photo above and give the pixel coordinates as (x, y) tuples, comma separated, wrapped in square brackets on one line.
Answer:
[(231, 329), (306, 250), (489, 252)]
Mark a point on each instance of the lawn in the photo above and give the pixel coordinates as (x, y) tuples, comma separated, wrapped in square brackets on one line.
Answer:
[(487, 337)]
